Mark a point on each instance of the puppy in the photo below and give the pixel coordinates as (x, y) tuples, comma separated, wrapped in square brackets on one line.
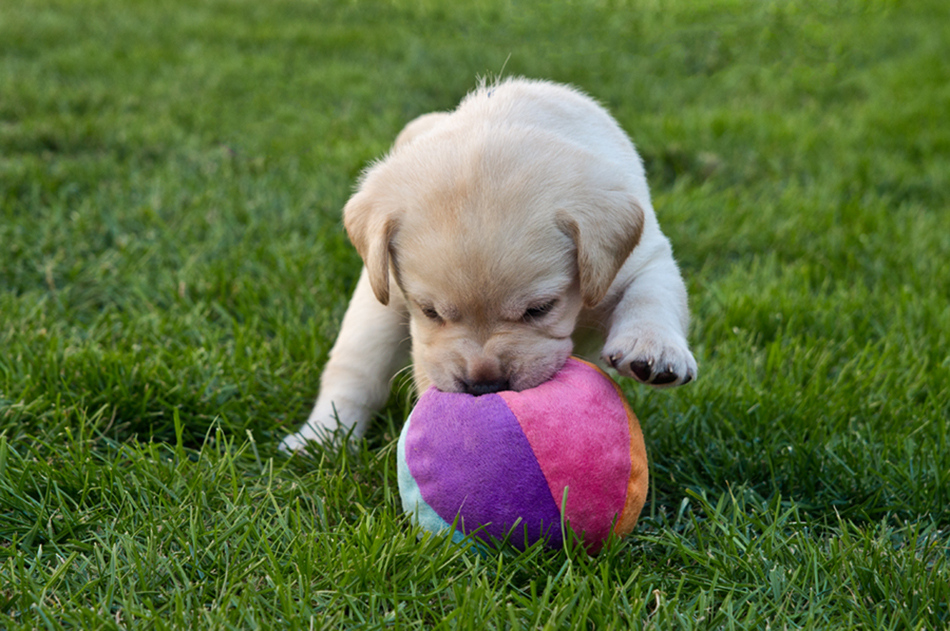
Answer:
[(491, 236)]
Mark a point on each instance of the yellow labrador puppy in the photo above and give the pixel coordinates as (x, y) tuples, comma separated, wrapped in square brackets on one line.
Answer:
[(491, 237)]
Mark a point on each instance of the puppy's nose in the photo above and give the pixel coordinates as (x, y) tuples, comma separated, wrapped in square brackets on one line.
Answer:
[(487, 386)]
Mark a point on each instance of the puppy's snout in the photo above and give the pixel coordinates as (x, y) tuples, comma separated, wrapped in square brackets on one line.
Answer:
[(478, 388), (484, 375)]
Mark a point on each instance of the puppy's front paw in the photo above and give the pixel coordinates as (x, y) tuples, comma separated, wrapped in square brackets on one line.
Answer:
[(653, 356), (324, 435), (317, 432), (328, 423)]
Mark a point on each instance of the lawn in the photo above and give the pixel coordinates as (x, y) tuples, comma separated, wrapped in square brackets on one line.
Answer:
[(173, 271)]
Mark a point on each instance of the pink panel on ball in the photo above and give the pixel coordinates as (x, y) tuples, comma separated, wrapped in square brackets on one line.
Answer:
[(578, 428)]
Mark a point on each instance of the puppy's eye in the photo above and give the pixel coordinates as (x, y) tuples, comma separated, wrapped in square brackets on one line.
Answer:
[(430, 312), (536, 312)]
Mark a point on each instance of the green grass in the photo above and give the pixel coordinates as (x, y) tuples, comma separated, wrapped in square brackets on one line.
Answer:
[(173, 270)]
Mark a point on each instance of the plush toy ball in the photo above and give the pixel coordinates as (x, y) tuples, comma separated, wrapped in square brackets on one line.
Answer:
[(507, 466)]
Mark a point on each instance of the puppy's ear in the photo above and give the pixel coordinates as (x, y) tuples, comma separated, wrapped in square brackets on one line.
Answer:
[(372, 229), (604, 232), (371, 223)]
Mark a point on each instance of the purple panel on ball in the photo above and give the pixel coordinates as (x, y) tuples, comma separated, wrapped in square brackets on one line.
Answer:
[(492, 478)]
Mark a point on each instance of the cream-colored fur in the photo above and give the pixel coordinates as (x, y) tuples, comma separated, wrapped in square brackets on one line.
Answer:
[(491, 236)]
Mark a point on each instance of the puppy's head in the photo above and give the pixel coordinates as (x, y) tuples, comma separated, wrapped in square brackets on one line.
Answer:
[(497, 241)]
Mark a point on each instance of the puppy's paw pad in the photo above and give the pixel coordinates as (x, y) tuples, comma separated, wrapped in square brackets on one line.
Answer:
[(640, 368), (666, 377)]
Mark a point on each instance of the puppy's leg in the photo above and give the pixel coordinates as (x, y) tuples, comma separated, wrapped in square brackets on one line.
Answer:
[(647, 329), (371, 347)]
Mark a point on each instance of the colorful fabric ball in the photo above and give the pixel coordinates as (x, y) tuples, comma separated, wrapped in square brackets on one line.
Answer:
[(501, 466)]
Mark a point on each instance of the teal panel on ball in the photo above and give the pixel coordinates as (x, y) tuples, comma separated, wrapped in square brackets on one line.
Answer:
[(412, 502)]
